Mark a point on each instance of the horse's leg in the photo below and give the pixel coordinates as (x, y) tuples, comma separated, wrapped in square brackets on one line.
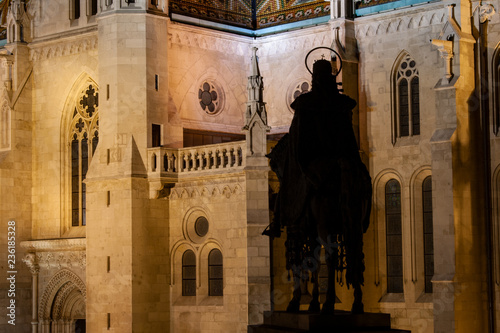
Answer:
[(358, 269), (319, 206), (314, 305), (329, 305), (294, 305), (357, 305)]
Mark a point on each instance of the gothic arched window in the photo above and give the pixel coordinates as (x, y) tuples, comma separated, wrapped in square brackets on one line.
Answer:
[(74, 9), (394, 241), (83, 140), (407, 99), (428, 233), (188, 273), (215, 273), (496, 91), (93, 7)]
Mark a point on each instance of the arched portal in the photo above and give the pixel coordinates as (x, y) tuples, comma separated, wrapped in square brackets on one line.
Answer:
[(62, 306)]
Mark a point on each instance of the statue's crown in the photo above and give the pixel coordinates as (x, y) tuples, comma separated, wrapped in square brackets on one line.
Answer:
[(322, 66)]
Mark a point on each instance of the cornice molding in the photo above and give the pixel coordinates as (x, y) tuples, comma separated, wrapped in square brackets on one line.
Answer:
[(46, 245), (52, 47), (217, 190), (400, 22)]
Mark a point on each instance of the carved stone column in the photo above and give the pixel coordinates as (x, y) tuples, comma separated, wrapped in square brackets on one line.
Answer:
[(30, 261)]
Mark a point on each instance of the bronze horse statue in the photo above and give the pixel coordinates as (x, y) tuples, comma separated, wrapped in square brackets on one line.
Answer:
[(325, 192)]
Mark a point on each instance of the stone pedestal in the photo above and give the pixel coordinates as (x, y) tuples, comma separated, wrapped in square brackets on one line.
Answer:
[(342, 321)]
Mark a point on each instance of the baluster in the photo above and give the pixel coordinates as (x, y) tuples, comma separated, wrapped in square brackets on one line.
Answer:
[(161, 161), (153, 162), (166, 162), (190, 162), (211, 160), (232, 160), (219, 158), (225, 162), (240, 157), (173, 166), (195, 161), (200, 160), (184, 162), (204, 160)]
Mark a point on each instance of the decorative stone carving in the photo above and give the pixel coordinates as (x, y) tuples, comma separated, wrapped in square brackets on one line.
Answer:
[(54, 286), (62, 48), (31, 262), (60, 260), (445, 48), (207, 191), (400, 24), (486, 11)]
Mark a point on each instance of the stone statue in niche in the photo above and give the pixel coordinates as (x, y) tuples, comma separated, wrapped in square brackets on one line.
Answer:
[(325, 192)]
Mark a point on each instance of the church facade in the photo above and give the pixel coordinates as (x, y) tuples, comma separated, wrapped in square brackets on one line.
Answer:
[(133, 178)]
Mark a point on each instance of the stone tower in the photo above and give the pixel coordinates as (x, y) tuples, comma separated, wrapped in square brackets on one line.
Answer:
[(127, 243)]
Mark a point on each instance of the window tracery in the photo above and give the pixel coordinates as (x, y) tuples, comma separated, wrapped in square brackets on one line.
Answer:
[(407, 99)]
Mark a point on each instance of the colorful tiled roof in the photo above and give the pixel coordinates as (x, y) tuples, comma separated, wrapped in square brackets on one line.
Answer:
[(255, 14)]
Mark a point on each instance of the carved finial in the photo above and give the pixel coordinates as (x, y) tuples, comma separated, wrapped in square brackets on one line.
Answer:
[(255, 113), (255, 62)]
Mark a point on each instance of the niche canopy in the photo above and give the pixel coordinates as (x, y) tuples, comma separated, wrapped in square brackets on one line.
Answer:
[(326, 53)]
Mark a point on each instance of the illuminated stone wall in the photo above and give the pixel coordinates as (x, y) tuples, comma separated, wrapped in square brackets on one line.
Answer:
[(150, 70)]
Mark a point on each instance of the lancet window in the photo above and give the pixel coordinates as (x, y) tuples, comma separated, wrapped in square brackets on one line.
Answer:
[(83, 140), (74, 9), (215, 273), (188, 273), (407, 99), (428, 233), (394, 243), (496, 91), (93, 7)]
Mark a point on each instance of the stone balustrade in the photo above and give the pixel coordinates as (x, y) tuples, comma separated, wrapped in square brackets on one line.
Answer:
[(196, 161)]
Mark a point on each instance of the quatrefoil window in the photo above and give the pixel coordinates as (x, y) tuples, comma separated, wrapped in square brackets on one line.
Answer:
[(209, 96)]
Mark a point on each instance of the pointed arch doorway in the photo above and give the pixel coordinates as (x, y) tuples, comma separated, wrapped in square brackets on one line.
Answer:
[(62, 306)]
